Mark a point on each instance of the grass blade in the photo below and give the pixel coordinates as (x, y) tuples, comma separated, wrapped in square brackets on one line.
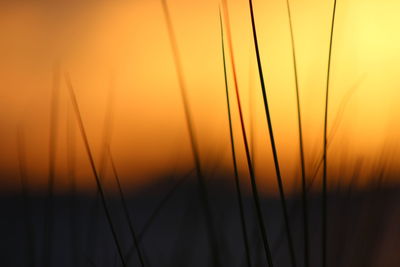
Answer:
[(25, 197), (325, 159), (237, 182), (272, 140), (93, 166), (106, 139), (189, 122), (71, 173), (125, 208), (332, 132), (302, 162), (49, 205), (254, 187)]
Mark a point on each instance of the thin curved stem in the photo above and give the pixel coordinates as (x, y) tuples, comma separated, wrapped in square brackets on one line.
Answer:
[(237, 182), (302, 161), (325, 158), (203, 192), (254, 187), (272, 140), (93, 167)]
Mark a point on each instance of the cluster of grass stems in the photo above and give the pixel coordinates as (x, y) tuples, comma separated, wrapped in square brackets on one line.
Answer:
[(107, 159)]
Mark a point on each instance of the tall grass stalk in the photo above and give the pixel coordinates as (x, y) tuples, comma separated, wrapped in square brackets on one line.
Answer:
[(71, 173), (325, 159), (125, 208), (106, 139), (49, 203), (272, 140), (302, 162), (254, 187), (318, 165), (107, 126), (93, 166), (251, 116), (30, 244), (203, 192), (319, 162), (237, 182)]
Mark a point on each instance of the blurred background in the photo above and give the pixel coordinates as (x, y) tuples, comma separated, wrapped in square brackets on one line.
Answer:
[(125, 46), (118, 57)]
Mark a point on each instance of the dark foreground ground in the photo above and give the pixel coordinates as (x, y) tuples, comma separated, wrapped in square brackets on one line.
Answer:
[(363, 229)]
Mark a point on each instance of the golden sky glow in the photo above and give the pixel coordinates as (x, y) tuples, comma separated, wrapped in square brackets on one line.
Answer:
[(149, 134)]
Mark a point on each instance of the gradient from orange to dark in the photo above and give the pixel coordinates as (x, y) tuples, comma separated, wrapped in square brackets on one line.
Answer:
[(149, 135)]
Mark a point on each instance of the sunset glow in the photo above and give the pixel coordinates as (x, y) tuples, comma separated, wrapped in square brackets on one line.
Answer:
[(126, 45)]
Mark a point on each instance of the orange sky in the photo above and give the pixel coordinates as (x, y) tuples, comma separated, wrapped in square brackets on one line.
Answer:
[(149, 134)]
